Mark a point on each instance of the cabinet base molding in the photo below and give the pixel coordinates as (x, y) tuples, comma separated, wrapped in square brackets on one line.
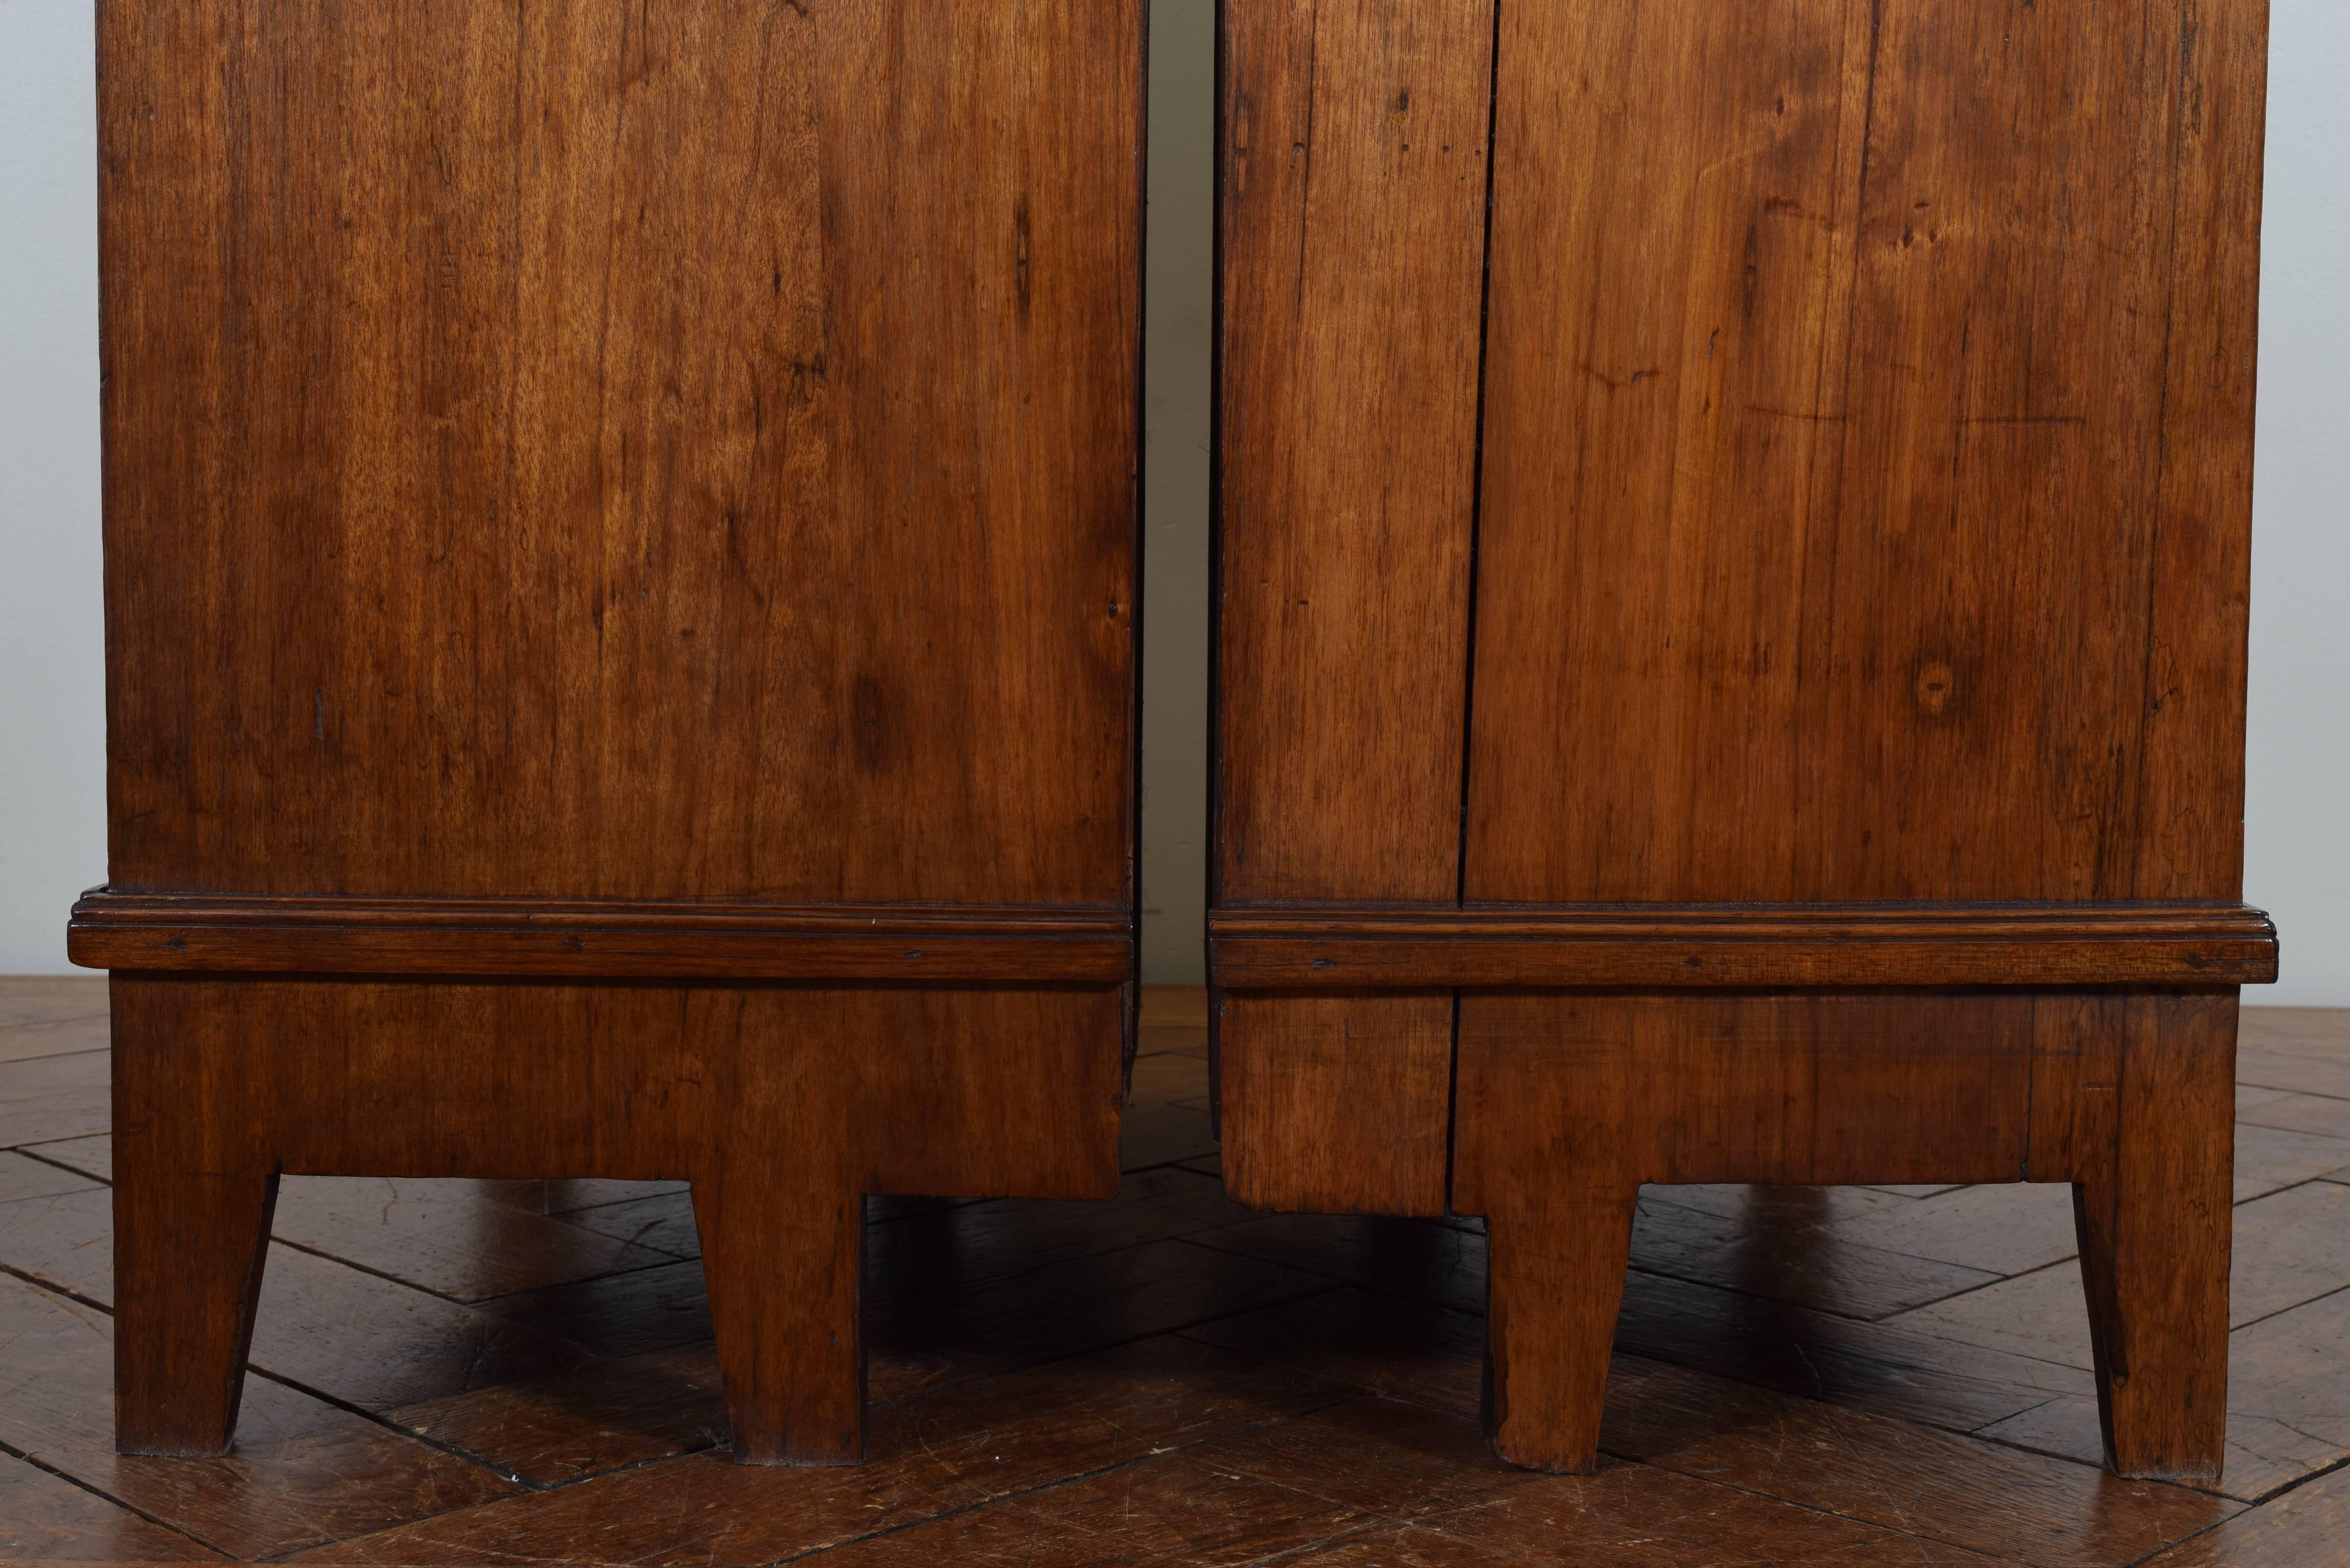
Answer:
[(582, 940), (1545, 1112), (1341, 947), (784, 1105)]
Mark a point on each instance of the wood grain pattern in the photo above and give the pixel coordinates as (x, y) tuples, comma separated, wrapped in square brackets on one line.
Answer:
[(953, 1246), (1435, 1356), (1395, 1458), (2152, 1205), (611, 1415), (782, 1235), (2306, 1526), (2190, 788), (1829, 466), (464, 1240), (1567, 1102), (222, 1084), (1409, 1548), (304, 1472), (1743, 1088), (1555, 1282), (1998, 1230), (365, 1341), (1854, 690), (1642, 1517), (1337, 1103), (1354, 182), (1759, 1372), (2274, 1264), (1969, 1493), (708, 428), (1648, 456), (304, 1067), (45, 1517), (2288, 1389), (934, 1455), (1775, 1253), (1396, 1349), (608, 496), (1772, 1241), (707, 941), (1336, 947), (1167, 1509), (1893, 1369), (189, 1244)]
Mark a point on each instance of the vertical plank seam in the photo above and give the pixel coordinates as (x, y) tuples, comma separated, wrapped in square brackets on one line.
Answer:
[(1477, 459), (1476, 520), (1809, 864)]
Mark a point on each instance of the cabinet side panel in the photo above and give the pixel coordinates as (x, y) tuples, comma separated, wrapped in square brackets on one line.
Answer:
[(1339, 1104), (2192, 793), (1354, 198), (1672, 221), (1015, 1091), (1840, 515), (601, 451)]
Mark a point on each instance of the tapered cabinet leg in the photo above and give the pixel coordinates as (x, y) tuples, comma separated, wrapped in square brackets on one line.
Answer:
[(1556, 1281), (187, 1251), (2153, 1213), (783, 1259), (194, 1186)]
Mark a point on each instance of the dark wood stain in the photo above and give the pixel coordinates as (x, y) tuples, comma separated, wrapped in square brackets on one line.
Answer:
[(648, 422), (609, 510), (1775, 712), (1350, 401), (1169, 1377)]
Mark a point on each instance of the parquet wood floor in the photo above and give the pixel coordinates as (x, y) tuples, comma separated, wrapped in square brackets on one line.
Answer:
[(521, 1372)]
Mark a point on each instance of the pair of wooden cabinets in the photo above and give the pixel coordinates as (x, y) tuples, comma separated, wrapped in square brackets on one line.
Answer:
[(622, 568)]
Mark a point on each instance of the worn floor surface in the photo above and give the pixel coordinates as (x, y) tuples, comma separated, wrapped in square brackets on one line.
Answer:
[(451, 1372)]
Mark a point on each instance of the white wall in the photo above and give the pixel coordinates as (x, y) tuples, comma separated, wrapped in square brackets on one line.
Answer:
[(2297, 810), (52, 702), (52, 835)]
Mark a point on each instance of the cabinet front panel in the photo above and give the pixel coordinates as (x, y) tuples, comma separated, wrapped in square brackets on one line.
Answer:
[(1867, 452), (609, 450), (1354, 211)]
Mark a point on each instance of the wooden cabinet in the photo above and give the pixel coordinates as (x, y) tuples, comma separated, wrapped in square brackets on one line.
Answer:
[(1734, 542), (620, 548)]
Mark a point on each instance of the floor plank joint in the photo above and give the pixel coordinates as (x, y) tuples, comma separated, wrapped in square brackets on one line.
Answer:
[(1170, 1377)]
